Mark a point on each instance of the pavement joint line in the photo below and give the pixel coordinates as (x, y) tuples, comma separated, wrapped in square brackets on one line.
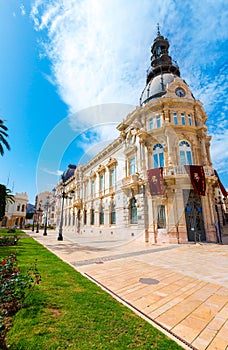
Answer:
[(155, 323), (120, 256)]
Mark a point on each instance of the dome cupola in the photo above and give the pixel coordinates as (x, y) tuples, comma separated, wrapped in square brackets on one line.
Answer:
[(163, 70)]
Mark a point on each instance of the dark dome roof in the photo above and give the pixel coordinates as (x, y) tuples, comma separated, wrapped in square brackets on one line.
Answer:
[(69, 172), (156, 87)]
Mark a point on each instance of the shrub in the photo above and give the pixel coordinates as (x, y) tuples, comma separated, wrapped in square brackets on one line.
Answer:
[(14, 288), (8, 240), (11, 230)]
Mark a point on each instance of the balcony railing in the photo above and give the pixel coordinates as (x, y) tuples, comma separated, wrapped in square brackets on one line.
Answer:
[(180, 170)]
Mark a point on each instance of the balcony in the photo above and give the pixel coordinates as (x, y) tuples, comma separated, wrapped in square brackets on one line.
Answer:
[(180, 170), (130, 182)]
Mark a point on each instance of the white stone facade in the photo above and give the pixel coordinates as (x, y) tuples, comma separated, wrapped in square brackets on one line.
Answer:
[(111, 192)]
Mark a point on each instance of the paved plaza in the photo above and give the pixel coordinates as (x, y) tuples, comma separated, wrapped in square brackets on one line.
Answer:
[(181, 289)]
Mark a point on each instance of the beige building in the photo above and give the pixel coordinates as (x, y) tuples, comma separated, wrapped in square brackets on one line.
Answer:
[(16, 212), (44, 208), (155, 181)]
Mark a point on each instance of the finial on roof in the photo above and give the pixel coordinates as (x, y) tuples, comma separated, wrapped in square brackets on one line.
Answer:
[(158, 29)]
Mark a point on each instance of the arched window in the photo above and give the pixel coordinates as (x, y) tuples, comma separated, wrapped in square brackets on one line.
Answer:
[(101, 214), (161, 216), (92, 219), (158, 156), (185, 153), (85, 217), (112, 213), (133, 212)]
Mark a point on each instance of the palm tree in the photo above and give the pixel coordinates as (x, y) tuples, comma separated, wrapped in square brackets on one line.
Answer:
[(3, 136), (6, 197)]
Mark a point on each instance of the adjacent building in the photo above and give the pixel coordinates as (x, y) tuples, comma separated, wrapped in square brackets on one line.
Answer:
[(155, 181), (15, 212), (44, 208)]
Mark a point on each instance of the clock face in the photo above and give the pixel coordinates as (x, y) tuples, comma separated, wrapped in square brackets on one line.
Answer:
[(180, 92)]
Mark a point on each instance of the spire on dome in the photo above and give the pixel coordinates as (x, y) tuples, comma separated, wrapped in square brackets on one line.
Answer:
[(161, 62)]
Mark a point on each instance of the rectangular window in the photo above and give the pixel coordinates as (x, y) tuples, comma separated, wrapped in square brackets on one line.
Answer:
[(183, 121), (175, 119), (102, 182), (190, 119), (85, 190), (151, 123), (161, 160), (102, 218), (132, 164), (112, 177), (182, 158), (92, 187), (161, 216), (189, 158), (113, 218), (92, 217), (85, 217), (158, 121), (156, 165)]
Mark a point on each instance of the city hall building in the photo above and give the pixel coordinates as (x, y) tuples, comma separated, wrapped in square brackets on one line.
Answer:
[(155, 182)]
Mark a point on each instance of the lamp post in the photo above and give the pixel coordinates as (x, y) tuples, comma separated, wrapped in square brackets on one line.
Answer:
[(39, 210), (60, 236), (46, 207), (63, 195), (65, 176), (33, 221)]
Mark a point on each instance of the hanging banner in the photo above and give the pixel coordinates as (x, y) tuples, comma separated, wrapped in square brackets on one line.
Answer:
[(222, 188), (197, 176), (156, 182)]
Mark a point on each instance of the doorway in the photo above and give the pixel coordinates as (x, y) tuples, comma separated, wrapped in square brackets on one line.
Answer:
[(194, 217)]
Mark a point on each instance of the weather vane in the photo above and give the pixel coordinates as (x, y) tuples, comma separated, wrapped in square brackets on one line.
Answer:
[(158, 28)]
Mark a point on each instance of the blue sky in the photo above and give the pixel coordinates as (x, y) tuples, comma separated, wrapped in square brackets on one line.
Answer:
[(59, 58)]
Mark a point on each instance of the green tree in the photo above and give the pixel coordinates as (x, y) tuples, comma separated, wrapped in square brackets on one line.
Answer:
[(3, 135), (6, 197)]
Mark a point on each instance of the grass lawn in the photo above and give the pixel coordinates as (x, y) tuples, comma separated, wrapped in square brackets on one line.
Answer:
[(4, 233), (67, 311)]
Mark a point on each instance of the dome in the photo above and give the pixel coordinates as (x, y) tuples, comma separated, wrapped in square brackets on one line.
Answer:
[(157, 87), (69, 172), (163, 70)]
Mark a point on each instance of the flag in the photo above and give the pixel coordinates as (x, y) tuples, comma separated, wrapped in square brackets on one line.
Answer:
[(156, 182), (197, 176), (222, 188)]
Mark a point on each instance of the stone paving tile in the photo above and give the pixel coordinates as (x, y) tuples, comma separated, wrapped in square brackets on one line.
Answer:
[(191, 298), (189, 328)]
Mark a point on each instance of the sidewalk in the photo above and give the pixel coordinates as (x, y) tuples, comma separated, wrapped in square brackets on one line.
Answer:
[(181, 289)]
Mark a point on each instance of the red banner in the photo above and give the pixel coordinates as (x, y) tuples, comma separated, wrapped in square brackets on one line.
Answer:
[(156, 182), (197, 176), (222, 188)]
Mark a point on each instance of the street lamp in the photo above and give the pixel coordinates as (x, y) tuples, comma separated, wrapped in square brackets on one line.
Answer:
[(33, 219), (39, 210), (65, 176), (46, 207)]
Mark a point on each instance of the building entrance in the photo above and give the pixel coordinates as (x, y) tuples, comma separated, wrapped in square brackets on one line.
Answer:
[(194, 217)]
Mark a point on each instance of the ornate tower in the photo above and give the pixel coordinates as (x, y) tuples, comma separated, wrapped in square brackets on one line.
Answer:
[(175, 164)]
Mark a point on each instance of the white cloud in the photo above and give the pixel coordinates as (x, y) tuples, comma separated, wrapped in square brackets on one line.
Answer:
[(96, 48), (52, 172), (22, 9), (100, 50)]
